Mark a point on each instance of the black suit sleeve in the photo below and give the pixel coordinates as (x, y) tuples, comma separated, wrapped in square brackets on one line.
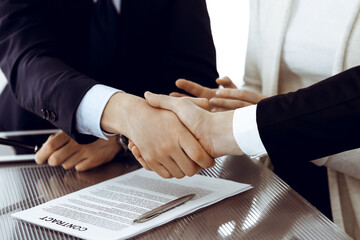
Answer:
[(192, 52), (38, 77), (313, 122)]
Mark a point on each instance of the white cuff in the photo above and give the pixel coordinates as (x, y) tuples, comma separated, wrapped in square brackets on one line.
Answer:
[(91, 108), (246, 132)]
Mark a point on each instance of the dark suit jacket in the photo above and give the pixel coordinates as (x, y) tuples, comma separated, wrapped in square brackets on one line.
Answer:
[(44, 53), (313, 122)]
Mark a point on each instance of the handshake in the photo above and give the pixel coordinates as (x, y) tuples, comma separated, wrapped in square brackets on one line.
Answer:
[(193, 143), (175, 135)]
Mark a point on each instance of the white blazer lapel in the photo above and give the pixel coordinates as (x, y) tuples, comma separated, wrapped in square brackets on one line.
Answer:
[(274, 28)]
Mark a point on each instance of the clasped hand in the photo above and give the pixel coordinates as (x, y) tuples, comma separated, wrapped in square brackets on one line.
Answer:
[(212, 129)]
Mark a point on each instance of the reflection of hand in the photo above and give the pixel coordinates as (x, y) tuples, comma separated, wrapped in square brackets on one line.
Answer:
[(166, 145), (60, 149), (213, 130), (58, 183), (231, 99)]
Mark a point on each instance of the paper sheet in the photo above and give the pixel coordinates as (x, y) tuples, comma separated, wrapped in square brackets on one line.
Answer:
[(106, 210)]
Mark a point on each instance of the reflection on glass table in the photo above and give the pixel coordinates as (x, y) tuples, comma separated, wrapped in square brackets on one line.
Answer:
[(271, 210)]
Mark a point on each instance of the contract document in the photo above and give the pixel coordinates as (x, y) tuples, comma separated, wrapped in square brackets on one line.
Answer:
[(107, 210)]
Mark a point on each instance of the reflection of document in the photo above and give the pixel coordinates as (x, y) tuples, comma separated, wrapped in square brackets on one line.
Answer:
[(106, 210)]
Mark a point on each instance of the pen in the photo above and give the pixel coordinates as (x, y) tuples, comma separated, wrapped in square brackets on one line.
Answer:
[(163, 208), (14, 143)]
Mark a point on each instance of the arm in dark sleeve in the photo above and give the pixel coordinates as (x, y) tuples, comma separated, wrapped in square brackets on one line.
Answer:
[(192, 52), (37, 76), (313, 122)]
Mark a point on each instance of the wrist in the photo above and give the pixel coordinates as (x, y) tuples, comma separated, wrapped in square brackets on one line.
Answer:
[(114, 118), (222, 137)]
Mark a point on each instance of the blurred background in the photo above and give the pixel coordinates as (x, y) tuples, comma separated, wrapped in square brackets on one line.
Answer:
[(229, 22)]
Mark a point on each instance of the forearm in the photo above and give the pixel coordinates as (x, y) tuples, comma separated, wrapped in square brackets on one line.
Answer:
[(38, 77), (312, 122)]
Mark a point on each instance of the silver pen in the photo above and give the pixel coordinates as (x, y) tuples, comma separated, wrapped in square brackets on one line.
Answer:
[(163, 208)]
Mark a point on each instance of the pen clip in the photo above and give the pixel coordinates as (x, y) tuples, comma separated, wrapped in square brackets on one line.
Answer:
[(146, 218)]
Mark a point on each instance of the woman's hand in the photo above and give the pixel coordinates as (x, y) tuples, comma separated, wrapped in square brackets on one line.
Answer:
[(231, 99), (200, 91), (220, 99)]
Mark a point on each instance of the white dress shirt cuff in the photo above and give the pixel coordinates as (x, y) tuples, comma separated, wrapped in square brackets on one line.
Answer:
[(246, 132), (91, 108)]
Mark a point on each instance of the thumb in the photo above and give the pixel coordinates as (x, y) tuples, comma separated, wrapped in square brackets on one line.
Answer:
[(159, 100)]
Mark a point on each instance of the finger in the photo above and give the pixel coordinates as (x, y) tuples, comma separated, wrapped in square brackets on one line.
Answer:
[(187, 166), (73, 161), (85, 164), (173, 168), (225, 82), (63, 154), (230, 104), (219, 109), (176, 94), (200, 102), (195, 151), (143, 163), (139, 158), (155, 166), (160, 101), (136, 152), (175, 104), (50, 146), (240, 94), (193, 88), (130, 144)]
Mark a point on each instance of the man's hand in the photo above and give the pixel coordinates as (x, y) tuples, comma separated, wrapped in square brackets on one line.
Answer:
[(213, 130), (60, 149), (166, 145)]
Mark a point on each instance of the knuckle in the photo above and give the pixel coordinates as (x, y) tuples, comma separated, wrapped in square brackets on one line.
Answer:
[(65, 166), (151, 162), (180, 175), (241, 93), (50, 146), (204, 103), (164, 174), (197, 157), (191, 172), (207, 162), (54, 160), (169, 146), (179, 102)]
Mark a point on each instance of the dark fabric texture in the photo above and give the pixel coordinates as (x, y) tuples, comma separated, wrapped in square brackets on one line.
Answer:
[(311, 123), (47, 54)]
